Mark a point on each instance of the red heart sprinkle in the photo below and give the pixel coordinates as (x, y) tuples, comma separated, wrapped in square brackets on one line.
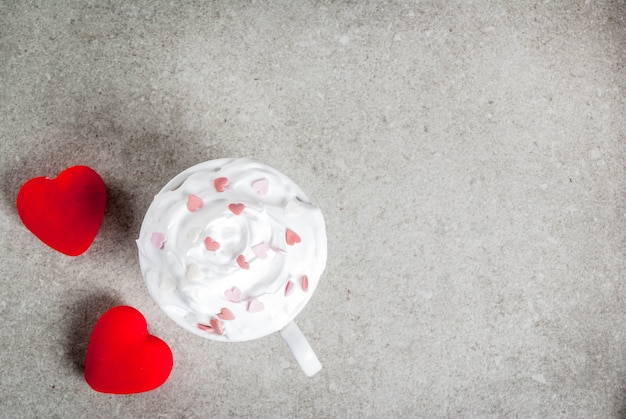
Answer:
[(305, 283), (220, 184), (205, 327), (122, 357), (291, 237), (194, 202), (236, 208), (226, 314), (243, 263), (233, 294), (66, 212), (211, 244), (217, 326)]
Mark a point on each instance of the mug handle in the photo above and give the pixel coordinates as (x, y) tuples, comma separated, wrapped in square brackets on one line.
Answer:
[(301, 349)]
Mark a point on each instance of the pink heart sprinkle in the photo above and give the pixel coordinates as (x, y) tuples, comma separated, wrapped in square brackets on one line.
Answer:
[(261, 250), (236, 208), (254, 306), (211, 244), (241, 260), (194, 202), (305, 283), (220, 184), (226, 314), (291, 237), (159, 239), (261, 186), (233, 294), (288, 288), (277, 250), (217, 326), (205, 327)]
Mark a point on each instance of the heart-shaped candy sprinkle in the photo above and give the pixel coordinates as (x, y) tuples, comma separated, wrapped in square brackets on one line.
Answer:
[(292, 237), (242, 262), (288, 288), (236, 208), (233, 294), (261, 186), (226, 314), (261, 250), (254, 306), (194, 202), (211, 244), (217, 326), (122, 357), (158, 239), (220, 184), (305, 283), (278, 250), (205, 327)]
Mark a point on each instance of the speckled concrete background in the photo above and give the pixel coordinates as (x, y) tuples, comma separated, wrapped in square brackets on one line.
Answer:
[(468, 156)]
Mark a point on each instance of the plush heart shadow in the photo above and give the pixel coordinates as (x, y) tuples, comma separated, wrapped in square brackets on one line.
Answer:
[(122, 357), (66, 212)]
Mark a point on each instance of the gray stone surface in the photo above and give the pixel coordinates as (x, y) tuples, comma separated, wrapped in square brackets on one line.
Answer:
[(469, 158)]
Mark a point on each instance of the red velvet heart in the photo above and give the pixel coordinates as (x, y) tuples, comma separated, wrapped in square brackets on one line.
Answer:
[(122, 357), (66, 212)]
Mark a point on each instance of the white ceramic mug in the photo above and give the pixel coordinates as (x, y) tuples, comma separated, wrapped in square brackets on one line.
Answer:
[(232, 250)]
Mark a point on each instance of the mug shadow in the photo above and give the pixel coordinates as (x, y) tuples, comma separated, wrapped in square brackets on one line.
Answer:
[(82, 317)]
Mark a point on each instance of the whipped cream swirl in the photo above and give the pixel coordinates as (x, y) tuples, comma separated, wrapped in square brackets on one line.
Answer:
[(232, 249)]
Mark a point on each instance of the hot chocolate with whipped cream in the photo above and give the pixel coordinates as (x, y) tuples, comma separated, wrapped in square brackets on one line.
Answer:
[(232, 249)]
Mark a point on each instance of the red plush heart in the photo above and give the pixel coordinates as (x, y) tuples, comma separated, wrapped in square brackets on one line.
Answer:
[(122, 357), (65, 213)]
